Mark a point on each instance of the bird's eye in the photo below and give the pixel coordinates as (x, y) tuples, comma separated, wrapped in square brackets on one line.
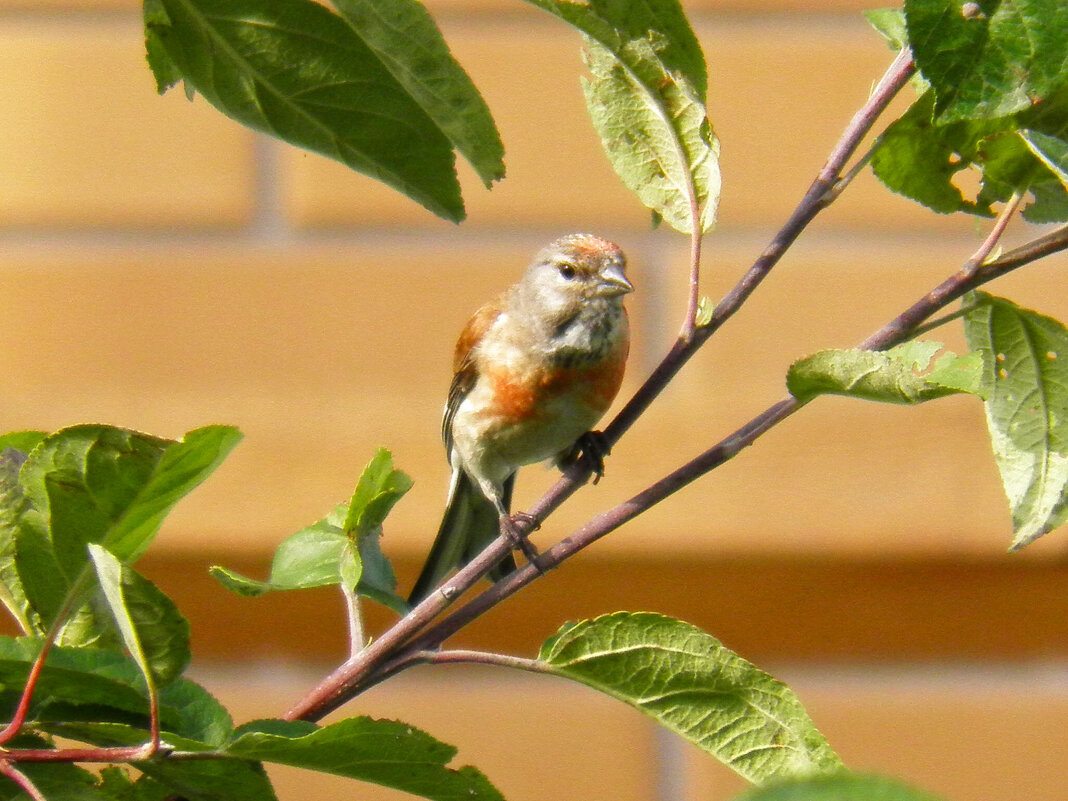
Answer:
[(567, 271)]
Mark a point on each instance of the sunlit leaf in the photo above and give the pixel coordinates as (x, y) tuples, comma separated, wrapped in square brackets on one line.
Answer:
[(385, 752), (296, 70), (691, 684), (897, 375), (1024, 363)]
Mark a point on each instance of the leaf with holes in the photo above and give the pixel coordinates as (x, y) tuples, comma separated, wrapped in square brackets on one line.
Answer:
[(1025, 370), (646, 98), (993, 58)]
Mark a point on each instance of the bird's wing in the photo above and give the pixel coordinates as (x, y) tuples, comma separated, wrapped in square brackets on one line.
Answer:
[(470, 524), (465, 367)]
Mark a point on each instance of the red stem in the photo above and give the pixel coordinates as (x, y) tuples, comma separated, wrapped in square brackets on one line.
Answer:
[(12, 729), (22, 780)]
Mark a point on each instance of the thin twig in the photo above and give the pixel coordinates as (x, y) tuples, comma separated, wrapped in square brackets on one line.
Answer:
[(842, 183), (970, 275)]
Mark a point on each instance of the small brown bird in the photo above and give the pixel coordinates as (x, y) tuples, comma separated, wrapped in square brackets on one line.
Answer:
[(535, 369)]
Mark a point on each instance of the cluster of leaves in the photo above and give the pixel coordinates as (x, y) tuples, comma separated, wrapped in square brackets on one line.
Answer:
[(117, 646), (374, 87), (1016, 366), (75, 512), (994, 100)]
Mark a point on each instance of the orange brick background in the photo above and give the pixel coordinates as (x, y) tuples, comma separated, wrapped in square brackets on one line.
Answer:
[(163, 268)]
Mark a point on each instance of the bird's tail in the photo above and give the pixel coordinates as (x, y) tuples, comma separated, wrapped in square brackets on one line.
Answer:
[(470, 523)]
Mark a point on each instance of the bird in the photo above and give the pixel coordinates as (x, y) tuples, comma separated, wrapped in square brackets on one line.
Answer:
[(534, 370)]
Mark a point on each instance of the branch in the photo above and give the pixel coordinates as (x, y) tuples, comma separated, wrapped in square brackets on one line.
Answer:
[(338, 686), (819, 195), (975, 272)]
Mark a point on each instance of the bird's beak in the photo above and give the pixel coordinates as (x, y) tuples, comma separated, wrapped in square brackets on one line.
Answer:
[(613, 282)]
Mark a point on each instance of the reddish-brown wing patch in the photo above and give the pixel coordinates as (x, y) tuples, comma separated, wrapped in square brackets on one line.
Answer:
[(465, 373), (473, 332)]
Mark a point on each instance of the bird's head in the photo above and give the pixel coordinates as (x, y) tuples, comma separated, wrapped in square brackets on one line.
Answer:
[(576, 271)]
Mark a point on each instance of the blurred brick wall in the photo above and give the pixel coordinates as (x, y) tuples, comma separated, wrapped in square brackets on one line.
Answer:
[(163, 269)]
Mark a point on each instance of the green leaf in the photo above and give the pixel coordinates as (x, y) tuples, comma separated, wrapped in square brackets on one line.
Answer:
[(312, 558), (1052, 151), (306, 559), (1024, 356), (113, 486), (377, 491), (407, 41), (920, 158), (164, 70), (104, 680), (297, 71), (120, 786), (892, 376), (22, 441), (377, 579), (1050, 190), (646, 98), (691, 684), (842, 787), (13, 505), (197, 714), (1006, 57), (385, 752), (890, 24), (99, 484), (350, 568), (182, 467), (153, 631)]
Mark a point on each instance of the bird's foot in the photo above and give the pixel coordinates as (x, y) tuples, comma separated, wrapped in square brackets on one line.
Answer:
[(516, 527), (593, 447)]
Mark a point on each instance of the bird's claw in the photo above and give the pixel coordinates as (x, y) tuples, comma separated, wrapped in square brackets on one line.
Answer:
[(515, 527), (593, 447)]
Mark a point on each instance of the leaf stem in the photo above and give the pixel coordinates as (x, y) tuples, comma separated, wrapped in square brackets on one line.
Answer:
[(22, 780), (133, 753), (689, 325), (12, 729), (459, 655), (357, 637)]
